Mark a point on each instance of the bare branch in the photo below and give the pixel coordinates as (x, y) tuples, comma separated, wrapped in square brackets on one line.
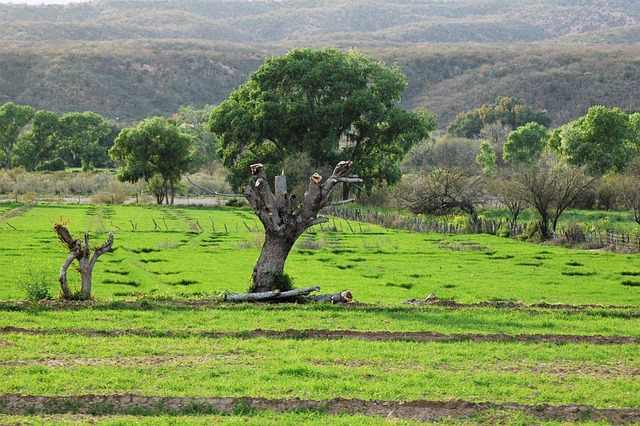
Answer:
[(341, 202), (318, 221), (99, 251), (211, 192), (266, 196)]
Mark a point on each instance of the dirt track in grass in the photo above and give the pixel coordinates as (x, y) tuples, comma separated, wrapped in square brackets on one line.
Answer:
[(61, 305), (324, 334), (415, 410)]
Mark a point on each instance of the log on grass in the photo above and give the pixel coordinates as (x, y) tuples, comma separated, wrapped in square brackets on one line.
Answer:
[(342, 297), (283, 296)]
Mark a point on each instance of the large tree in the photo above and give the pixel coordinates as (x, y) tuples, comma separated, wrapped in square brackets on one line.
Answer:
[(285, 220), (13, 119), (79, 134), (604, 140), (323, 105), (155, 151), (38, 146), (195, 122)]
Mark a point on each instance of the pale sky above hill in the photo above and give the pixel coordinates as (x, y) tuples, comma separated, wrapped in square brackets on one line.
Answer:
[(36, 2)]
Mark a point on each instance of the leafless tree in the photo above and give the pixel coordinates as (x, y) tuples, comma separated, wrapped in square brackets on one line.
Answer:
[(550, 186), (81, 252)]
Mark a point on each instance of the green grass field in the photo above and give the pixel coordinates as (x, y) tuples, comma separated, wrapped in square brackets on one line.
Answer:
[(155, 329)]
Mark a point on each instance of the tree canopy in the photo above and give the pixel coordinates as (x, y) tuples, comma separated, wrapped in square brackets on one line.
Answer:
[(80, 134), (322, 104), (156, 151), (526, 144), (38, 146), (13, 118), (506, 111), (604, 140)]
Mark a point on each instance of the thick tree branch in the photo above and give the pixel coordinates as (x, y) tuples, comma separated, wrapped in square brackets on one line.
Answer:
[(99, 251), (63, 275), (265, 194)]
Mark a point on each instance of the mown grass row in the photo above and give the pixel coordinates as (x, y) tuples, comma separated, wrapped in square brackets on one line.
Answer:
[(320, 370), (161, 316)]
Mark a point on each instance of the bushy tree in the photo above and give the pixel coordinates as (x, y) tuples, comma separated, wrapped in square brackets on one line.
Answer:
[(507, 111), (526, 144), (195, 123), (79, 134), (604, 140), (487, 159), (325, 104), (13, 119), (154, 150), (37, 147)]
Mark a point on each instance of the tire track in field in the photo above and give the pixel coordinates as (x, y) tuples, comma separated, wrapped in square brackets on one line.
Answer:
[(325, 334), (420, 410)]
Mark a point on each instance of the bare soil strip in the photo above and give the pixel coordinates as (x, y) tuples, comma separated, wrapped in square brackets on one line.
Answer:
[(627, 311), (414, 410), (324, 334)]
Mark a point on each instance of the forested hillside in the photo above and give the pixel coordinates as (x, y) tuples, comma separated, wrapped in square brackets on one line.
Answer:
[(133, 59)]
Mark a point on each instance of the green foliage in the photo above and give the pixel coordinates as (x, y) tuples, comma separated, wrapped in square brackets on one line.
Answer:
[(54, 165), (36, 286), (204, 144), (325, 104), (506, 111), (487, 159), (37, 147), (526, 144), (79, 135), (156, 151), (604, 140), (13, 118)]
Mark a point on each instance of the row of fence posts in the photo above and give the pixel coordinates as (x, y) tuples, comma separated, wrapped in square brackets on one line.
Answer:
[(485, 226)]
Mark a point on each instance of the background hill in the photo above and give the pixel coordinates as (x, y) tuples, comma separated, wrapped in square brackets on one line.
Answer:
[(133, 59)]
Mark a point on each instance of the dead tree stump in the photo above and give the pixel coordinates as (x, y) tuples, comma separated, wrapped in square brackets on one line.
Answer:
[(81, 252)]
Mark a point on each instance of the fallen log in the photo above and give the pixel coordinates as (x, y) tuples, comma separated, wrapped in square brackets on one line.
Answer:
[(283, 296), (342, 297)]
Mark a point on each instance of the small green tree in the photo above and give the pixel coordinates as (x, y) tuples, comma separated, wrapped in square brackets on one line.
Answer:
[(506, 111), (487, 159), (13, 119), (195, 123), (526, 144), (155, 149)]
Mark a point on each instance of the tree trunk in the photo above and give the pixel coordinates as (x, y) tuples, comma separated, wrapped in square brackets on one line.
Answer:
[(284, 219), (86, 274), (81, 252), (268, 272)]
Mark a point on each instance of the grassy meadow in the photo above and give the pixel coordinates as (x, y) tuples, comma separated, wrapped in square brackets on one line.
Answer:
[(155, 328), (169, 251)]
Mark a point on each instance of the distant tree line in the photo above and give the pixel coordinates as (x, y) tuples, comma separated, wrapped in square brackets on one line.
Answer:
[(307, 109), (505, 153), (158, 150)]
